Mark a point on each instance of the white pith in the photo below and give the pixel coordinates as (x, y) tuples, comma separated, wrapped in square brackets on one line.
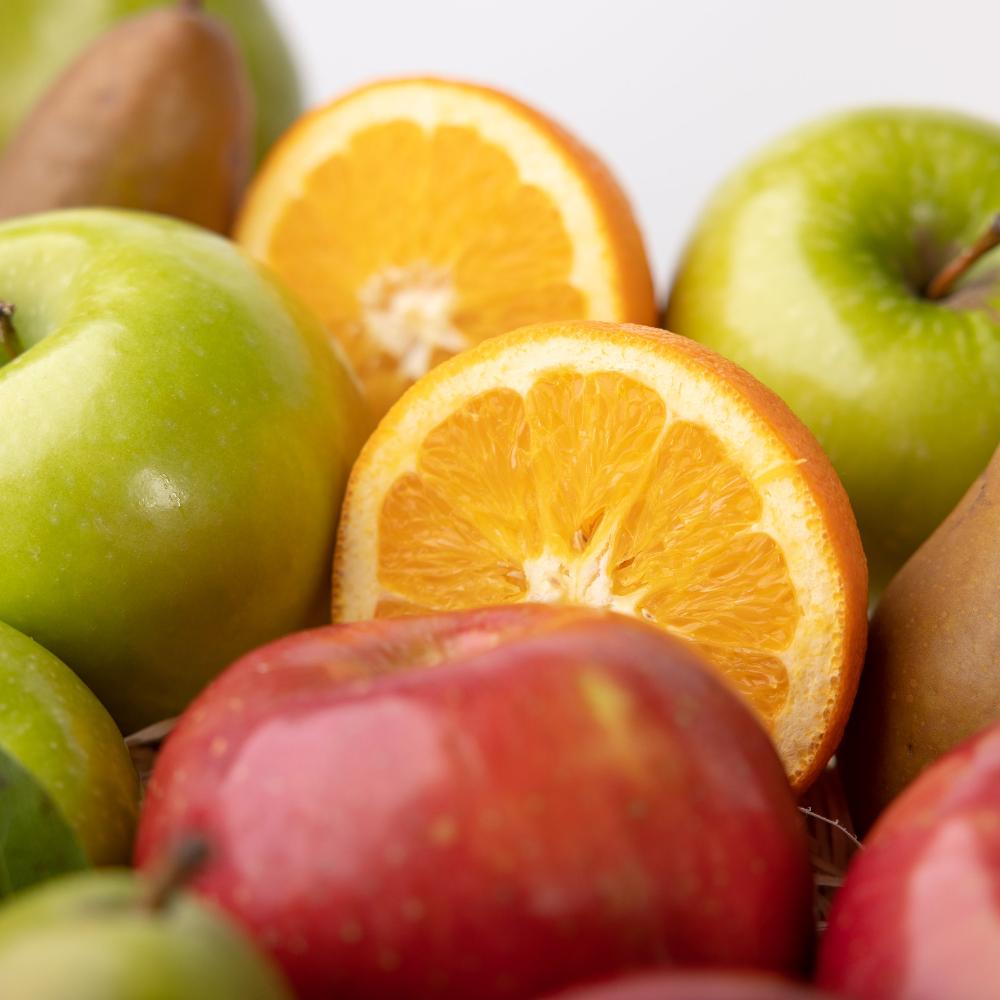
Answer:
[(407, 311)]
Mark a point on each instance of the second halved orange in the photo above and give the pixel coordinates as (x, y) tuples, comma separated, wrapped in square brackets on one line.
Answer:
[(419, 217)]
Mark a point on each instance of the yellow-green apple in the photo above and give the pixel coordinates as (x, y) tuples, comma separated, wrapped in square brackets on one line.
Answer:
[(39, 38), (918, 917), (812, 268), (701, 985), (110, 936), (68, 792), (175, 432), (485, 803)]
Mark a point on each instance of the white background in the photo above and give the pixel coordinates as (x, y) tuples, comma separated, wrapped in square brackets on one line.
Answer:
[(673, 94)]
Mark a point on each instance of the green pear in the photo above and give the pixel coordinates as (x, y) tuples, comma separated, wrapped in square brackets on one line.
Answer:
[(68, 792), (104, 936), (932, 675)]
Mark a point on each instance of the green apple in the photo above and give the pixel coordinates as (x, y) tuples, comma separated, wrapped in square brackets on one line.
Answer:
[(96, 936), (810, 268), (68, 791), (38, 38), (174, 442)]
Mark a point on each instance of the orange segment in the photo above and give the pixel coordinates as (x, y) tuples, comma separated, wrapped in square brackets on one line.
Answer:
[(445, 562), (625, 468), (695, 525), (493, 486), (575, 488), (420, 217)]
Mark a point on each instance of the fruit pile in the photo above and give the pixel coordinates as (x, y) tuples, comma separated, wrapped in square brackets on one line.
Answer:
[(473, 637)]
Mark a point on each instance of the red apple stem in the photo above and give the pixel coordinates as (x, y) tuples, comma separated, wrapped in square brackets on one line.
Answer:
[(8, 335), (191, 5), (174, 870), (952, 272)]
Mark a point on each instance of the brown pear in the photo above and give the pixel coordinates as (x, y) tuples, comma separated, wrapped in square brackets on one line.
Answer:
[(932, 674), (157, 115)]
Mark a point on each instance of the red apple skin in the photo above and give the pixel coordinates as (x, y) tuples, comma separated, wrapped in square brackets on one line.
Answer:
[(918, 917), (700, 985), (544, 796)]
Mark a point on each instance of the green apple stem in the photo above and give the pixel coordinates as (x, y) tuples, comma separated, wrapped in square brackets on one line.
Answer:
[(174, 870), (8, 335), (950, 274)]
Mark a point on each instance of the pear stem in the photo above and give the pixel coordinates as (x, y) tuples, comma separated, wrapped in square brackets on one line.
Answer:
[(8, 335), (952, 272), (173, 871)]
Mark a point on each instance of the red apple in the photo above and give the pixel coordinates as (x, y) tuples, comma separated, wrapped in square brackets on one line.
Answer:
[(544, 795), (918, 917), (700, 985)]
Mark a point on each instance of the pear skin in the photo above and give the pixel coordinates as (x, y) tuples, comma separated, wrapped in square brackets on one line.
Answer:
[(156, 115), (932, 674)]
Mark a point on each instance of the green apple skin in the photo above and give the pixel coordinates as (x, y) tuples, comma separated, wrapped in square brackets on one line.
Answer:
[(38, 38), (59, 732), (807, 269), (90, 937), (174, 444)]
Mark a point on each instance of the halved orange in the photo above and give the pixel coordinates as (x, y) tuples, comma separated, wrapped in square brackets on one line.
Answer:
[(626, 468), (418, 217)]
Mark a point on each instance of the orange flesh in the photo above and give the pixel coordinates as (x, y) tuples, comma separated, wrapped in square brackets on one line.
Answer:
[(413, 244), (513, 500)]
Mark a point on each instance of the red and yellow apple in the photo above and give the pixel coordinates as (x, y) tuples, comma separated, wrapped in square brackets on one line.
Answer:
[(486, 803), (918, 917)]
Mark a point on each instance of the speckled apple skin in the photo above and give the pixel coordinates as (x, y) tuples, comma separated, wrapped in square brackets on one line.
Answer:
[(489, 803), (918, 917), (174, 443)]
